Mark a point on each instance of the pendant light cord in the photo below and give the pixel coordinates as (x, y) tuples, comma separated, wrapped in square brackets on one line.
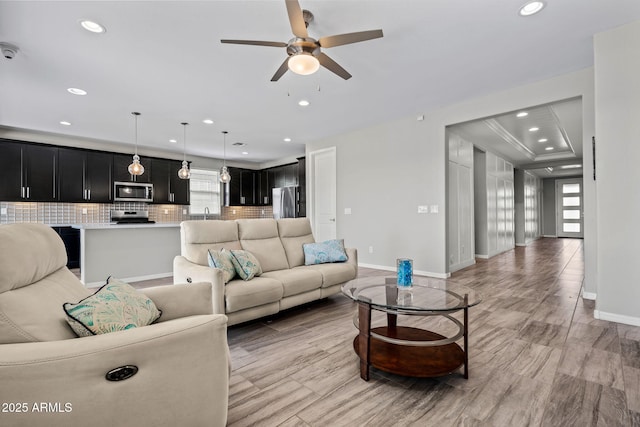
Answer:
[(184, 142), (135, 115)]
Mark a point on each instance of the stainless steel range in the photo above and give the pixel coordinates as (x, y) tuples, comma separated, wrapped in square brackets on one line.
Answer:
[(130, 217)]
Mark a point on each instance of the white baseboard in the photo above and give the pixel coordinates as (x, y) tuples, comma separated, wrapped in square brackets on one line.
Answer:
[(482, 256), (521, 244), (131, 279), (588, 295), (549, 235), (618, 318), (416, 272)]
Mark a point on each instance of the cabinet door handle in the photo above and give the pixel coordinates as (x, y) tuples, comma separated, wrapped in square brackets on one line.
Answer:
[(28, 192), (89, 194)]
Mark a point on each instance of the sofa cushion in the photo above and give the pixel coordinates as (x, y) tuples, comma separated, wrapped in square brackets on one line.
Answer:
[(197, 237), (296, 281), (34, 313), (295, 232), (245, 264), (334, 273), (261, 290), (45, 251), (116, 306), (260, 237), (323, 252), (222, 260)]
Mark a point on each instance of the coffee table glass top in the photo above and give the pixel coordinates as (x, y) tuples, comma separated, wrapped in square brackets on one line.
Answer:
[(426, 294)]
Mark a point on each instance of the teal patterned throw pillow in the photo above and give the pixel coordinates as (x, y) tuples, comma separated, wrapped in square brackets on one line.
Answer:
[(323, 252), (246, 265), (222, 260), (116, 306)]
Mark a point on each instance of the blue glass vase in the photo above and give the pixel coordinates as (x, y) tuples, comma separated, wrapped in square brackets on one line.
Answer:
[(405, 272)]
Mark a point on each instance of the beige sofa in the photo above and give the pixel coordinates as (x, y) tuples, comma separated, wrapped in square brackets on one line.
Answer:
[(49, 377), (285, 282)]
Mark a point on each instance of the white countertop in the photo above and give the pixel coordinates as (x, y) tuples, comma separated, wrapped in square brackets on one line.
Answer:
[(107, 226)]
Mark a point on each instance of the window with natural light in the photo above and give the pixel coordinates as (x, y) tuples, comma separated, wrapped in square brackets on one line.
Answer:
[(204, 191)]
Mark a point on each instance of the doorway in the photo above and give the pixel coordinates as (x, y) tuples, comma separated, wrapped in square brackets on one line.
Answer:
[(323, 193), (569, 208)]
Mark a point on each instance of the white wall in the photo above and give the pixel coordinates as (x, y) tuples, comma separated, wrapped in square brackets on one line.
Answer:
[(384, 172), (617, 90)]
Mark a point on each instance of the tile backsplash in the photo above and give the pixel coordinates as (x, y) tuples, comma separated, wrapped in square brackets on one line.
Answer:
[(82, 213)]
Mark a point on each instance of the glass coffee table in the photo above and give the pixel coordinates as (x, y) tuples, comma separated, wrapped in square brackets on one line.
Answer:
[(405, 350)]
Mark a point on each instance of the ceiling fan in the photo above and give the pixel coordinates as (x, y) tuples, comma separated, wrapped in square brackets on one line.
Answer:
[(304, 52)]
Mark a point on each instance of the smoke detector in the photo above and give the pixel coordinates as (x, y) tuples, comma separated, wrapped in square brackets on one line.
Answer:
[(9, 51)]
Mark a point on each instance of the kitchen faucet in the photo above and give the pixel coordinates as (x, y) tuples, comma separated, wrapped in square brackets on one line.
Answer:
[(206, 211)]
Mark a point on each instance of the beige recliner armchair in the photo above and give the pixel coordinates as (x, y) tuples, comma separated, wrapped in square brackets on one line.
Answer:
[(49, 377)]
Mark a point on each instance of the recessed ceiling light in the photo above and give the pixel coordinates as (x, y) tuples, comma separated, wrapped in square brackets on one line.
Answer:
[(287, 140), (208, 121), (522, 114), (174, 141), (76, 91), (570, 166), (94, 27), (543, 140), (303, 103), (65, 123), (245, 152), (534, 129), (549, 148), (531, 8)]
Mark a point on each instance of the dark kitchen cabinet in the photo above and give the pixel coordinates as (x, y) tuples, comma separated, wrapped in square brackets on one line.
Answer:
[(290, 175), (167, 187), (121, 164), (85, 176), (265, 189), (29, 172), (233, 188), (302, 187), (247, 187), (71, 239)]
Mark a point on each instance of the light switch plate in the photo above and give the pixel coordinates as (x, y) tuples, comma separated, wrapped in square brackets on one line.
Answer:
[(433, 209), (347, 211), (423, 209)]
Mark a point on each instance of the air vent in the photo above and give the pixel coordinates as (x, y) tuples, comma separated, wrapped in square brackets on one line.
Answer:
[(239, 144)]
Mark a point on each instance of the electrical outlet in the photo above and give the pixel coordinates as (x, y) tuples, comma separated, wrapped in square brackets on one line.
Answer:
[(166, 211), (370, 249), (184, 211), (84, 211), (3, 211), (262, 212), (233, 212)]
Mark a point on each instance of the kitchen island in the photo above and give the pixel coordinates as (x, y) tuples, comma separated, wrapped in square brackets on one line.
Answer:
[(130, 252)]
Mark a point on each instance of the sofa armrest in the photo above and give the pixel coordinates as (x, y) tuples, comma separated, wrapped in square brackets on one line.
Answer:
[(184, 271), (352, 258), (181, 300), (184, 361)]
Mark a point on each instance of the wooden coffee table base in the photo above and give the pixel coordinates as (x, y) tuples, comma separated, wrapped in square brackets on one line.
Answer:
[(412, 361)]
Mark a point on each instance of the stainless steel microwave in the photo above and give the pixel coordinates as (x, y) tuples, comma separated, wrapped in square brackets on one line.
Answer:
[(132, 192)]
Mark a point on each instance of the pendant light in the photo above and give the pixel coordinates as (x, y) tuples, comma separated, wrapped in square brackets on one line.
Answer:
[(184, 172), (225, 177), (136, 168)]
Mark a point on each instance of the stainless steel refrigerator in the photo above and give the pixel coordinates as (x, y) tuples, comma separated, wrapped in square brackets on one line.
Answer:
[(285, 202)]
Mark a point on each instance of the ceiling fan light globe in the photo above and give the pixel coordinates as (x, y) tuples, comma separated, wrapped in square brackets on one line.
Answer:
[(303, 63)]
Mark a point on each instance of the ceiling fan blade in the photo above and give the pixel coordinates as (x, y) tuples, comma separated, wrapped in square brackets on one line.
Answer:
[(296, 19), (341, 39), (333, 66), (283, 69), (255, 43)]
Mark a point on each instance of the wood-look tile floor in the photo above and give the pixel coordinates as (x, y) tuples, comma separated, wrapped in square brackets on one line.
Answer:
[(537, 358)]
